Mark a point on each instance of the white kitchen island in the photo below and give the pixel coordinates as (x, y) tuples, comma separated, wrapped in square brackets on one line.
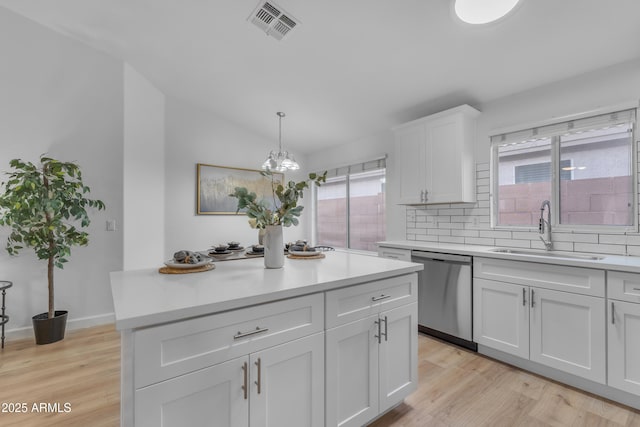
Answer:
[(319, 342)]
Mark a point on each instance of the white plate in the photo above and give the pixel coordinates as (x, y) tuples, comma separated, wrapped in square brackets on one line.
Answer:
[(238, 249), (304, 253), (173, 264), (224, 254)]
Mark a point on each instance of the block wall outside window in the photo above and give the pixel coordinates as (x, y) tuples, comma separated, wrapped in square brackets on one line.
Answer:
[(351, 211)]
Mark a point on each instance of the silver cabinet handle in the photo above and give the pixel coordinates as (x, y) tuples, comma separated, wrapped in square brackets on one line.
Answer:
[(613, 314), (636, 289), (524, 297), (258, 330), (245, 390), (379, 336), (381, 297), (385, 328), (533, 303), (426, 197), (392, 256), (258, 382), (422, 196)]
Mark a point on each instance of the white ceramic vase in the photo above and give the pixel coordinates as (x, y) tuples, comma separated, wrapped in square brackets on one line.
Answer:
[(273, 247)]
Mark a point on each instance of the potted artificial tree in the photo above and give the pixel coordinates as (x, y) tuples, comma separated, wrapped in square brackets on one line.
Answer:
[(42, 204)]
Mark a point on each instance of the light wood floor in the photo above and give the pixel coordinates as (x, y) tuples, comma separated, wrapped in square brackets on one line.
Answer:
[(457, 388)]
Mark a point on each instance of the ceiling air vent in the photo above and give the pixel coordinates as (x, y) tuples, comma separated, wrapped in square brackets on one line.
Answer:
[(273, 20)]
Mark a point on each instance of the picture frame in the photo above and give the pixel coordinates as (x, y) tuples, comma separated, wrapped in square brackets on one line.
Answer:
[(215, 183)]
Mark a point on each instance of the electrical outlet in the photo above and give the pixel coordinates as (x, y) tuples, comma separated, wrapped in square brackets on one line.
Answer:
[(111, 225)]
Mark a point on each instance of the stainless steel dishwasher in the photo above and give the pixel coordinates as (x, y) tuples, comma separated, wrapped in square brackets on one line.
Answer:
[(445, 303)]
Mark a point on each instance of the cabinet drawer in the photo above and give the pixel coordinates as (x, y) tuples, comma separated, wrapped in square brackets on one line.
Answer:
[(623, 286), (585, 281), (356, 302), (174, 349), (395, 253)]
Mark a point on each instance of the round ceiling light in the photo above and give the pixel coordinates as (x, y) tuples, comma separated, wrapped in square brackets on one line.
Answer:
[(483, 11)]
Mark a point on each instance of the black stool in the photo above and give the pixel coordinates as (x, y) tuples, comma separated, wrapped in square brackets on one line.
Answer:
[(4, 318)]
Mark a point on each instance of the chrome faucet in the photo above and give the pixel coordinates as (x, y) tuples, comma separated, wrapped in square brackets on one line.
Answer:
[(544, 226)]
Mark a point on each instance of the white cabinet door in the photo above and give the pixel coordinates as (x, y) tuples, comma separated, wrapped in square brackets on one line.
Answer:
[(398, 365), (209, 397), (394, 253), (568, 333), (501, 316), (624, 346), (410, 146), (352, 373), (435, 158), (287, 384), (444, 175)]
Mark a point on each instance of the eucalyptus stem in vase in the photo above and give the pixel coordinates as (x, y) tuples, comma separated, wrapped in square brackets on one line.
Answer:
[(284, 212)]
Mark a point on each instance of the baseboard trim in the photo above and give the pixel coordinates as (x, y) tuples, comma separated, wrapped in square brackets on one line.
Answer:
[(601, 390), (72, 324)]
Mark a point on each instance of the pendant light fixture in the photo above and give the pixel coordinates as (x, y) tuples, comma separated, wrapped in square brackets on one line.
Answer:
[(280, 161), (483, 11)]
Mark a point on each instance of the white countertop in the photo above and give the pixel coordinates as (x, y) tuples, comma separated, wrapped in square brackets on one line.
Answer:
[(146, 297), (608, 262)]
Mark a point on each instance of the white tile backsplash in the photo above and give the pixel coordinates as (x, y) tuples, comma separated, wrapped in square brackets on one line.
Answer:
[(470, 223)]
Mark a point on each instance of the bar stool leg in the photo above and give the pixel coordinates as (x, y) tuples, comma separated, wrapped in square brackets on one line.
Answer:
[(2, 318)]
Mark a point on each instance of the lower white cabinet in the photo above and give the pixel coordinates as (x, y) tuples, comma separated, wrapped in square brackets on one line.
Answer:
[(562, 330), (371, 365), (282, 386), (501, 316), (394, 253), (196, 398), (568, 333), (624, 346)]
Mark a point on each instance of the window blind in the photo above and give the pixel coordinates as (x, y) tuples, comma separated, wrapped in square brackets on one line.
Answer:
[(369, 165), (601, 121)]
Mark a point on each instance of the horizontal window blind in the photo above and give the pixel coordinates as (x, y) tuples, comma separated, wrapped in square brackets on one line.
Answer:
[(369, 165), (602, 121)]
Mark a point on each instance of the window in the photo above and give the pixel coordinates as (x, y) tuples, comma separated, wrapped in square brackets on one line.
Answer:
[(584, 167), (541, 172), (350, 207)]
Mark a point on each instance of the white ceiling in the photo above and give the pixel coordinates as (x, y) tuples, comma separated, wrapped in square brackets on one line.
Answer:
[(352, 67)]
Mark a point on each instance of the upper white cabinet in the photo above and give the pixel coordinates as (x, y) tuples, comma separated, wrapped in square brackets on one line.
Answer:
[(435, 157)]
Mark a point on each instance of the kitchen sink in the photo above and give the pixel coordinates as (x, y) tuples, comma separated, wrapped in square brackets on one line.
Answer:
[(548, 254)]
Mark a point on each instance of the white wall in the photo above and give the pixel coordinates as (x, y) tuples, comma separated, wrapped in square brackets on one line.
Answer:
[(590, 91), (194, 135), (62, 98), (144, 185)]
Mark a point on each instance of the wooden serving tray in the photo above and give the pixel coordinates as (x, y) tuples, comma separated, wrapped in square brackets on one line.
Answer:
[(318, 256), (169, 270)]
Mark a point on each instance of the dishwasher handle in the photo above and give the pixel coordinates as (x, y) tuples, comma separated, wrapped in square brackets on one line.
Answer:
[(437, 256)]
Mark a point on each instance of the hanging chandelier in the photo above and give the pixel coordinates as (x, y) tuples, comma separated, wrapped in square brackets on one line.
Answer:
[(280, 161)]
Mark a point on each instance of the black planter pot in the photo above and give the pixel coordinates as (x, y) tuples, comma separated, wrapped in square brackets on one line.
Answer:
[(47, 330)]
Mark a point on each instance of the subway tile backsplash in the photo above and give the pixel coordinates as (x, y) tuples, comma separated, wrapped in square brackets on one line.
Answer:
[(470, 223)]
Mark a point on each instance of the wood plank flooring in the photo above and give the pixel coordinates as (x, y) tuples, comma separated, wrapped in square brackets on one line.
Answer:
[(82, 370), (462, 388), (457, 388)]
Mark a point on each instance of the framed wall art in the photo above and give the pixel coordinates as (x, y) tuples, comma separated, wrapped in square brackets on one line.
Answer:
[(215, 183)]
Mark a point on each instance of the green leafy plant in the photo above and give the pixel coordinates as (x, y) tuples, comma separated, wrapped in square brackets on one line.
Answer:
[(41, 203), (285, 200)]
